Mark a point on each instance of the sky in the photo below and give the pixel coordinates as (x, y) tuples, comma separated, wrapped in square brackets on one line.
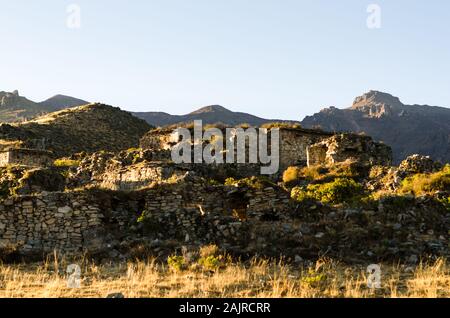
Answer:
[(273, 58)]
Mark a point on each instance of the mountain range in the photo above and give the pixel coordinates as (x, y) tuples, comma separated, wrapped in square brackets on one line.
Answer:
[(408, 129), (16, 108), (209, 115)]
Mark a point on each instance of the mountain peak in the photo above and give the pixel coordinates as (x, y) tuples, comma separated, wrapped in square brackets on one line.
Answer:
[(211, 109), (16, 108), (376, 98), (59, 101), (408, 129), (377, 104)]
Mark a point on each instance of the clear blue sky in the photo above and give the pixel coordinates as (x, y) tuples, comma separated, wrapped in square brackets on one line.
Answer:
[(274, 58)]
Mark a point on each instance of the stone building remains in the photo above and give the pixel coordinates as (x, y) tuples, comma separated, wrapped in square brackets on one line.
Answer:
[(303, 147), (25, 157)]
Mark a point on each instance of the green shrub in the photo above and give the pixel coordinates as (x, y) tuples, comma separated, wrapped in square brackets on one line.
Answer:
[(313, 279), (346, 169), (66, 163), (177, 263), (231, 182), (130, 150), (210, 258), (300, 194), (281, 125), (423, 183), (258, 183), (150, 224), (213, 182), (446, 202), (141, 218), (210, 263), (338, 191)]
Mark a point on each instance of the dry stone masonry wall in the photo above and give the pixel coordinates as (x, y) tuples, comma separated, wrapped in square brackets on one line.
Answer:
[(26, 157), (42, 223)]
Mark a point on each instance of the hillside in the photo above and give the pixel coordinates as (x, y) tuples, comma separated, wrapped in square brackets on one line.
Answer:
[(59, 102), (16, 108), (408, 129), (209, 115), (89, 128)]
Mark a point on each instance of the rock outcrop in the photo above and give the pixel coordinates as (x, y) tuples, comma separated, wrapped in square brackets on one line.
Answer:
[(419, 164)]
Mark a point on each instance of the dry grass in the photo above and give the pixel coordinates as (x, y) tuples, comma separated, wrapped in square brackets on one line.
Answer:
[(320, 174), (292, 174), (258, 278)]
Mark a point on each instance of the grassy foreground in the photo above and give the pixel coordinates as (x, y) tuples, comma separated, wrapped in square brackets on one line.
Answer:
[(257, 278)]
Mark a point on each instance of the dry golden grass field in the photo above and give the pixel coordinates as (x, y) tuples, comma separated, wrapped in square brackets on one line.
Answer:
[(256, 278)]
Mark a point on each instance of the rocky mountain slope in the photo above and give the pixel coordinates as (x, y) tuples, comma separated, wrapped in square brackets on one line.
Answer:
[(408, 129), (209, 115), (16, 108), (89, 128)]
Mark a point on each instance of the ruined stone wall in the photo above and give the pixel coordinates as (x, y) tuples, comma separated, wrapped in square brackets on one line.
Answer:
[(268, 203), (42, 223), (142, 175), (201, 199), (316, 154), (213, 214), (293, 145), (342, 147), (78, 222), (4, 158), (26, 157), (30, 157), (136, 177), (245, 221), (157, 140)]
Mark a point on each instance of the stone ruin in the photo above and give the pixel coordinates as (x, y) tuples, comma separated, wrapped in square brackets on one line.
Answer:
[(297, 147), (303, 147), (25, 157), (239, 219), (342, 147), (182, 206)]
